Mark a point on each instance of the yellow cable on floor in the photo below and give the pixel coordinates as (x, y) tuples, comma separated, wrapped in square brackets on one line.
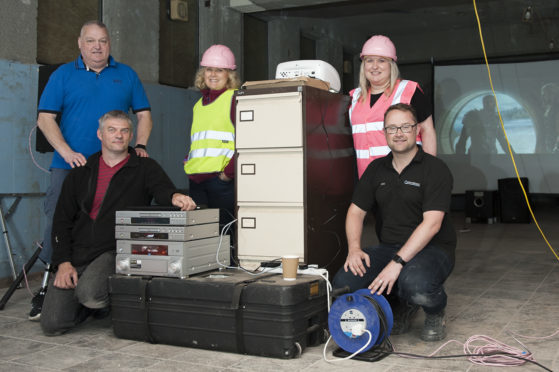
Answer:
[(506, 137)]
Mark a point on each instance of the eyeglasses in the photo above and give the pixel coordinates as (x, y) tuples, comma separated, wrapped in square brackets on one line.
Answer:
[(406, 128)]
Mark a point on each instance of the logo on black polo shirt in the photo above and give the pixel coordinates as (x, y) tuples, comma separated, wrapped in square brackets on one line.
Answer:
[(411, 183)]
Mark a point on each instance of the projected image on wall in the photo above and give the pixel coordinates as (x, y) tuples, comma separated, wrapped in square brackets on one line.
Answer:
[(528, 100), (477, 128), (469, 134)]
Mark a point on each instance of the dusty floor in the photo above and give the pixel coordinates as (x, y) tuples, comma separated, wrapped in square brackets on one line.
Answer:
[(506, 279)]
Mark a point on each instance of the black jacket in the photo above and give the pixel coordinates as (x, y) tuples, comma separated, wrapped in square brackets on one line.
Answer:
[(79, 239)]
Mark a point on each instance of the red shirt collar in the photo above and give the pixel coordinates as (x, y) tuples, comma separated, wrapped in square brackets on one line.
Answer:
[(209, 95)]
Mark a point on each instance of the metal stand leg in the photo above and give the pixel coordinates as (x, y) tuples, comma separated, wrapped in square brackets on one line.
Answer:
[(19, 278), (7, 240), (46, 276), (31, 262)]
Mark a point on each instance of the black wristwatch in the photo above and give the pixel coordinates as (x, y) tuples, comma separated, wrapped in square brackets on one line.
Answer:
[(140, 146), (399, 260)]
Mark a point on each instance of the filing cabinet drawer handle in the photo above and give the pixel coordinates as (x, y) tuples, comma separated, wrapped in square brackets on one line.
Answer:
[(248, 223), (246, 115), (248, 169)]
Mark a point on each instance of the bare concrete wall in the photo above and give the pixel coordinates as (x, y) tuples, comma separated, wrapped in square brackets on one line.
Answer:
[(171, 109), (499, 41), (58, 26), (284, 43), (134, 29), (18, 104), (331, 51), (178, 46), (219, 24), (18, 30)]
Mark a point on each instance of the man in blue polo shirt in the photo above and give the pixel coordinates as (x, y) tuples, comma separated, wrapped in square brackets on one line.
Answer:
[(81, 92)]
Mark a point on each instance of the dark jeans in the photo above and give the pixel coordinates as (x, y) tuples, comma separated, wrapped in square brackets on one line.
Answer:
[(420, 281), (57, 177), (216, 193), (63, 309)]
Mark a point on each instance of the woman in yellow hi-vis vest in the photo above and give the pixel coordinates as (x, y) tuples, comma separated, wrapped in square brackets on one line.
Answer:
[(209, 164)]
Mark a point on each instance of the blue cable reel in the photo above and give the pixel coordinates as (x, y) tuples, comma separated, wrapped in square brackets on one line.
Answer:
[(359, 309)]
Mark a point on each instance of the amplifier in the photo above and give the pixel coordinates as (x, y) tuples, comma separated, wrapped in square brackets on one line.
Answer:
[(153, 232), (167, 217), (170, 259)]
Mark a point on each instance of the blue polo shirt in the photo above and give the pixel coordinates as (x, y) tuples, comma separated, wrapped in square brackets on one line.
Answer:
[(82, 96)]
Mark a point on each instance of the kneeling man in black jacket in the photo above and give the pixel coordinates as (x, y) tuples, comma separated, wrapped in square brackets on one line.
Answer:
[(83, 231)]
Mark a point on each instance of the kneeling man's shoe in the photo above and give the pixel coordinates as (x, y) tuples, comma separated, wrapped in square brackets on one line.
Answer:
[(403, 316), (434, 328), (37, 305)]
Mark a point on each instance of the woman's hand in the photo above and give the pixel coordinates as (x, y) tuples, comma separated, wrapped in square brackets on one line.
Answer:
[(222, 176)]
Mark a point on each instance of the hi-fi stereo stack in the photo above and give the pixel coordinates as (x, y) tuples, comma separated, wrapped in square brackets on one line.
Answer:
[(171, 243)]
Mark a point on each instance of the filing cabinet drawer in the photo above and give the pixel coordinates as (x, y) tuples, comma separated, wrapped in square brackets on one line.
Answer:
[(267, 232), (269, 120), (270, 176)]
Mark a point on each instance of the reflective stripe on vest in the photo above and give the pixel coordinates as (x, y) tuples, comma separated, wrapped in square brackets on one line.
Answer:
[(202, 153), (367, 127), (367, 122), (212, 137), (376, 152), (212, 134)]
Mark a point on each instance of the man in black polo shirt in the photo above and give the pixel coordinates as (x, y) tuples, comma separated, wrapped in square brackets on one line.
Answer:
[(409, 193)]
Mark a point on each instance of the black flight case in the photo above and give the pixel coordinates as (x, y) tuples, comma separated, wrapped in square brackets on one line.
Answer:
[(223, 310)]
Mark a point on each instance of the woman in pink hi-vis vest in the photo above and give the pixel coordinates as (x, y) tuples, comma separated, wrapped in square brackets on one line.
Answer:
[(380, 87)]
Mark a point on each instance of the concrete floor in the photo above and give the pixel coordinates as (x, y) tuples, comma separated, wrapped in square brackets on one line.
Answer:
[(506, 279)]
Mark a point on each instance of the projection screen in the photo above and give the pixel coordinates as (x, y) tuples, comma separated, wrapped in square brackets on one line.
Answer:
[(470, 138)]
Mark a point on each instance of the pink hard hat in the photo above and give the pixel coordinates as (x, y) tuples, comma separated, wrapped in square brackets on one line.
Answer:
[(379, 45), (218, 56)]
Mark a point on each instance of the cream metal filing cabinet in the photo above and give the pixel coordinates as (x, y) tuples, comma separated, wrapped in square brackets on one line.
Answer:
[(295, 172)]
